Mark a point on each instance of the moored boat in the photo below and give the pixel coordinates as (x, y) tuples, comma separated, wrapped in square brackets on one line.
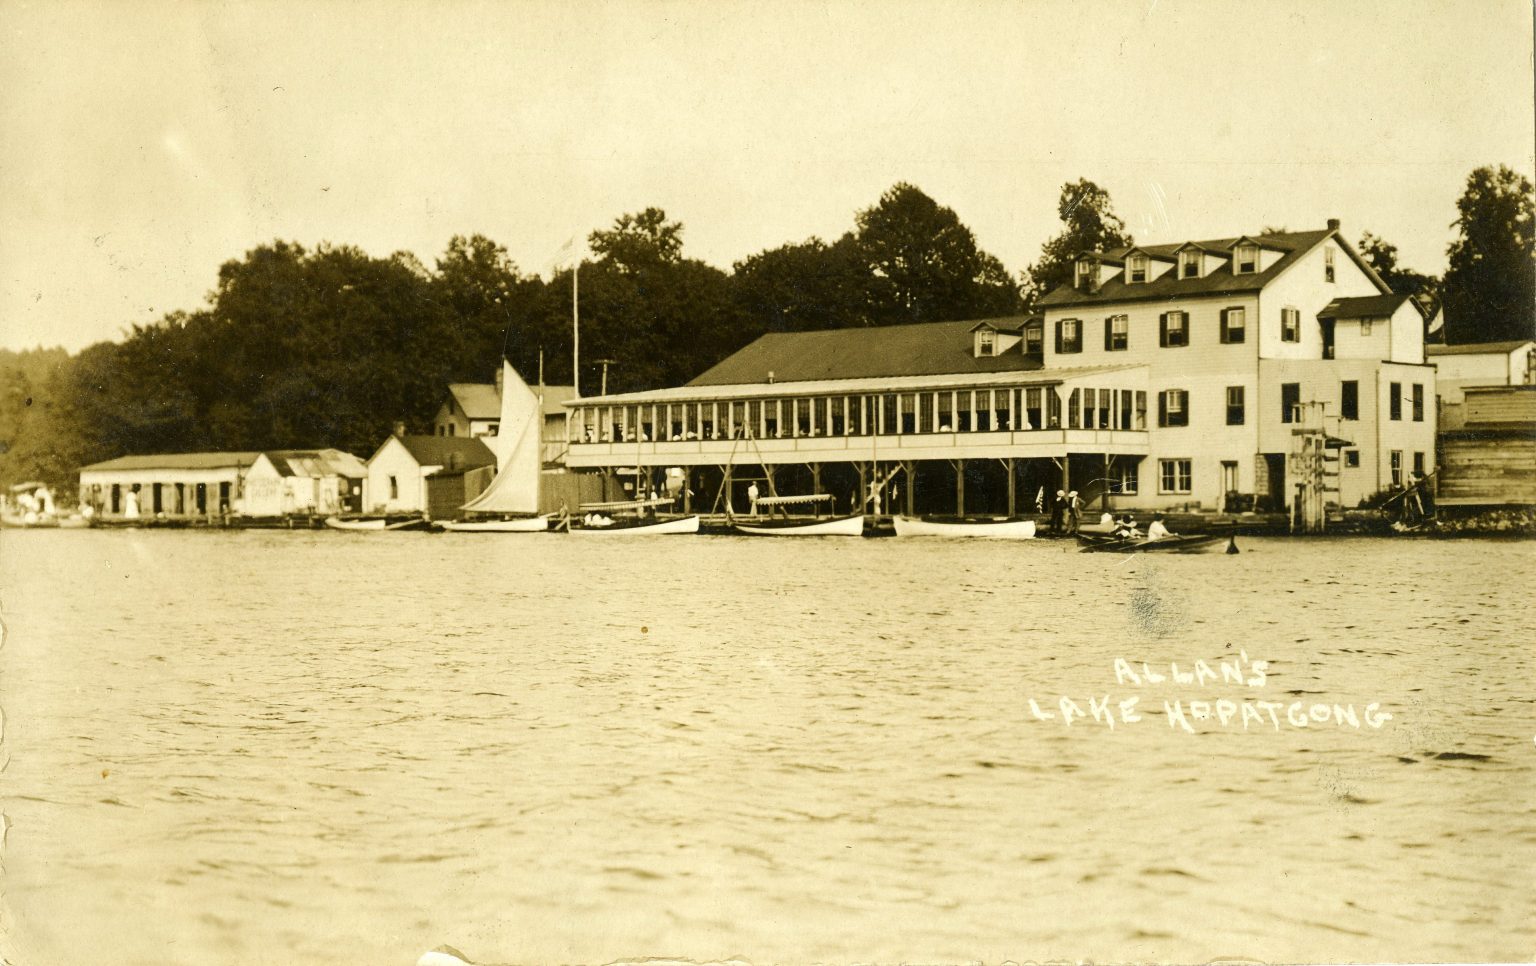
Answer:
[(632, 518), (851, 526), (1188, 543), (537, 524), (377, 524), (998, 528), (817, 525)]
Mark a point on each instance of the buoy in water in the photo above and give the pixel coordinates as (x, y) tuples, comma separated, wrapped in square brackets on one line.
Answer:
[(1232, 543)]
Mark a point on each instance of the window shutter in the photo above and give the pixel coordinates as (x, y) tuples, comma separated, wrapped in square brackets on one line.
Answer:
[(1109, 324), (1162, 330), (1226, 331), (1162, 408), (1058, 337)]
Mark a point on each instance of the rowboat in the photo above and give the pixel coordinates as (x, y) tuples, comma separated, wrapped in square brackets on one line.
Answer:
[(629, 518), (802, 526), (536, 524), (830, 527), (376, 524), (1001, 528), (1190, 543)]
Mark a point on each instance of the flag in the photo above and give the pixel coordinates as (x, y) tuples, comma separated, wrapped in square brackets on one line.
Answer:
[(573, 251)]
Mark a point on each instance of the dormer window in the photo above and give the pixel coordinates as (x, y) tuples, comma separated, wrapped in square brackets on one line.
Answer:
[(1138, 268), (1189, 264), (986, 342), (1034, 337), (1247, 259), (1085, 274)]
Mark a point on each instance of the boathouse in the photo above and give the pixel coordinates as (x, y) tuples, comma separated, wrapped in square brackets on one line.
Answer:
[(435, 475), (183, 486), (1226, 374)]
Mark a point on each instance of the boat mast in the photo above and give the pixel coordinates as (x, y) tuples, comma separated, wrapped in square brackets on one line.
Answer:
[(576, 328)]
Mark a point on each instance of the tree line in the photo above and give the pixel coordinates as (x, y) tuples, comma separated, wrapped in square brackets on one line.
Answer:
[(331, 346)]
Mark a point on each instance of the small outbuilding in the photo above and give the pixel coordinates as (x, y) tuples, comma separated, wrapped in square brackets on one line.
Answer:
[(182, 486), (435, 475)]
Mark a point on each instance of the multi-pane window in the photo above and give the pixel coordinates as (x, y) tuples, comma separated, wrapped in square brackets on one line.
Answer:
[(1352, 458), (1034, 338), (1349, 399), (1174, 476), (1418, 464), (987, 342), (1117, 333), (1189, 264), (1141, 409), (1235, 407), (1085, 274), (1327, 264), (1234, 325), (1365, 326), (1247, 259), (1290, 325), (1069, 335), (1138, 268), (1173, 407), (1418, 402), (1174, 329), (1125, 477), (1395, 400), (1397, 467), (1290, 399)]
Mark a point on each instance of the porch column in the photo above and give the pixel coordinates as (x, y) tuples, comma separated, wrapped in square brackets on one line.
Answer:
[(959, 466), (911, 476), (1104, 500), (1012, 483)]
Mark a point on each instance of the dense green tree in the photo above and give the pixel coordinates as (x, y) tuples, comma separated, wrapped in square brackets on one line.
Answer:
[(639, 240), (925, 263), (1381, 255), (812, 285), (1489, 290), (1091, 225)]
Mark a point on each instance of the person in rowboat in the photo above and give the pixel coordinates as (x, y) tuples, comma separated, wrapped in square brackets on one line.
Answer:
[(1157, 531)]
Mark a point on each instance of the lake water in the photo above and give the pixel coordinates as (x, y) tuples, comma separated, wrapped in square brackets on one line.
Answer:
[(293, 747)]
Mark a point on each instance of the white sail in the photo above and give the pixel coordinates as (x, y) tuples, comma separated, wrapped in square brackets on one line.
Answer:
[(517, 447)]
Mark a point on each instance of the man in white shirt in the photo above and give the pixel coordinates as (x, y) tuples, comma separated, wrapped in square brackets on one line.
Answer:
[(1157, 531)]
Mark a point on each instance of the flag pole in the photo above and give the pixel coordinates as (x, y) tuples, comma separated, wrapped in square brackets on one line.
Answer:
[(576, 328)]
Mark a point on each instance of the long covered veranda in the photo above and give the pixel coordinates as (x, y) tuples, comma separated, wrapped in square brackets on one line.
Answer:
[(994, 446)]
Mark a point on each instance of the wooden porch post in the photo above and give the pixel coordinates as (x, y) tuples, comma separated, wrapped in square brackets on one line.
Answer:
[(862, 497), (959, 466), (1012, 484), (1104, 502), (911, 474)]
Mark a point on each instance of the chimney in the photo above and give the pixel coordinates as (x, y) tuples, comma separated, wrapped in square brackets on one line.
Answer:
[(399, 429), (501, 373), (1333, 224)]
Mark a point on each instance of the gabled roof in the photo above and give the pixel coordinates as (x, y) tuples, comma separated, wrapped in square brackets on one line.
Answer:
[(1099, 257), (471, 453), (1364, 307), (1477, 348), (317, 462), (999, 325), (476, 400), (177, 461), (1140, 250), (1246, 240), (1218, 281), (926, 349), (555, 397)]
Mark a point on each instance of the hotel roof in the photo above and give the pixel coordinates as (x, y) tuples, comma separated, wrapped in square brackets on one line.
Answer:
[(925, 349), (175, 461), (1218, 281), (1367, 306)]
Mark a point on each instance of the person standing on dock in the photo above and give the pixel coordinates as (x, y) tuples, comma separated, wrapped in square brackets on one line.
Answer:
[(1074, 511), (752, 497), (1058, 510)]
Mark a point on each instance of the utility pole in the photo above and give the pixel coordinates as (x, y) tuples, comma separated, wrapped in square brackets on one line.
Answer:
[(605, 363)]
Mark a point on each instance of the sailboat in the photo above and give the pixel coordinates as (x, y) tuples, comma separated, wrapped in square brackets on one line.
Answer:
[(511, 503)]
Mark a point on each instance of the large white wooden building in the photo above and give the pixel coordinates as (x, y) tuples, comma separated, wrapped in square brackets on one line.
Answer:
[(1217, 374)]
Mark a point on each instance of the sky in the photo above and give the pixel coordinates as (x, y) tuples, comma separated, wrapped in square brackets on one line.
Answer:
[(145, 143)]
